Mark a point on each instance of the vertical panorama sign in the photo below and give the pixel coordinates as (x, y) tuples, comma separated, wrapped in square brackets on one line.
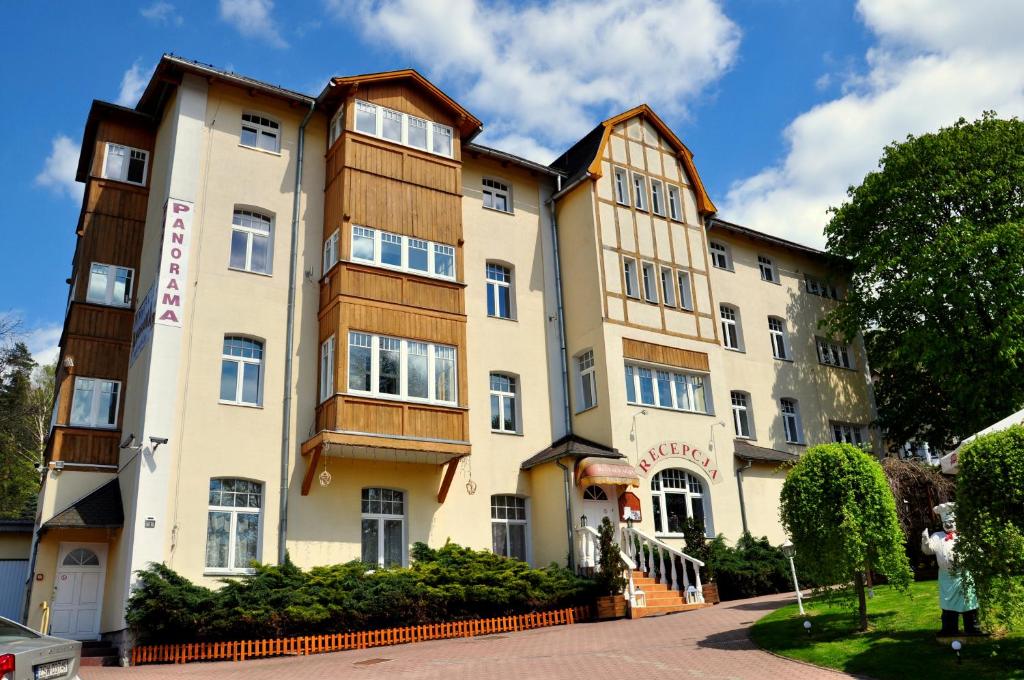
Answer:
[(170, 293)]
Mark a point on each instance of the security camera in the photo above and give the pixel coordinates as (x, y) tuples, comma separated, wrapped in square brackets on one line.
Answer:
[(157, 441), (129, 442)]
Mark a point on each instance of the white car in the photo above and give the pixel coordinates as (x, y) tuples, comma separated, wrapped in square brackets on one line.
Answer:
[(28, 655)]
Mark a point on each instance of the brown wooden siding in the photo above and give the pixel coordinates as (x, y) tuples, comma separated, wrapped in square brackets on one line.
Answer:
[(383, 416), (383, 285), (85, 446), (660, 354)]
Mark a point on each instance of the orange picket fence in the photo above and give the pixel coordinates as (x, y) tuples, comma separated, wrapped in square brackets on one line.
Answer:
[(240, 650)]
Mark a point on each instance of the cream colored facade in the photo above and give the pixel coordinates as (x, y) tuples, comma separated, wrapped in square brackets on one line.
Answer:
[(173, 387)]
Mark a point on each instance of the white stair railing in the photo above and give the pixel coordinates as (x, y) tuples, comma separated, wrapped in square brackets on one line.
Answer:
[(657, 559), (588, 555)]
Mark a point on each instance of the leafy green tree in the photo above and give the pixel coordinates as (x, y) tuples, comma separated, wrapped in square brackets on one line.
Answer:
[(840, 514), (990, 524), (19, 447), (935, 240)]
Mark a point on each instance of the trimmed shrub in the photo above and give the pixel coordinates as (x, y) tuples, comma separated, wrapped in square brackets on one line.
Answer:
[(754, 567), (448, 584), (990, 524)]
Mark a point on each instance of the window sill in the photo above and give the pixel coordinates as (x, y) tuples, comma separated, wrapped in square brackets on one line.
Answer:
[(238, 403), (797, 443), (584, 410), (777, 283), (392, 268), (670, 409), (841, 368), (502, 318), (90, 426), (506, 432), (724, 269), (499, 210), (124, 181), (738, 350), (221, 573), (786, 359), (256, 148), (249, 271)]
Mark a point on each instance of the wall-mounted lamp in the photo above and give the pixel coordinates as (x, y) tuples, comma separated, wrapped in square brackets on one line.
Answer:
[(69, 362), (58, 467)]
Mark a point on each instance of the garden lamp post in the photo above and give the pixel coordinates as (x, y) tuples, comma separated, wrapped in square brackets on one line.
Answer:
[(789, 550)]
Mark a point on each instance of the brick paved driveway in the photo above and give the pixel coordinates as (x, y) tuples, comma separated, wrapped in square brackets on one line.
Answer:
[(710, 643)]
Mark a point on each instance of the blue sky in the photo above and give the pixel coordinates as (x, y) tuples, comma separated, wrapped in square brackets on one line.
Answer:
[(784, 103)]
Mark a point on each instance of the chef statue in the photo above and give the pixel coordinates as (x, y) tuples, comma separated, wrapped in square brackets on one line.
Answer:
[(955, 596)]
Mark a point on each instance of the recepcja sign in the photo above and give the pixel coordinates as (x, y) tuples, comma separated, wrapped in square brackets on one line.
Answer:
[(680, 451), (170, 294)]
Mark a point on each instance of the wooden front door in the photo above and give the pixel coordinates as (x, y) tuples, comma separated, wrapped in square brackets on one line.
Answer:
[(78, 591)]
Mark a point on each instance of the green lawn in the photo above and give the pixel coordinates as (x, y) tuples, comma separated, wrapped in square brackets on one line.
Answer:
[(899, 644)]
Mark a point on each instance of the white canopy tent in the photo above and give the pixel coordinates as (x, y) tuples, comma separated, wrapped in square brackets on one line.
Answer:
[(950, 462)]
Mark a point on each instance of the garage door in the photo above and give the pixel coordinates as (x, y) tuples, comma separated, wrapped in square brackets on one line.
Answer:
[(12, 587)]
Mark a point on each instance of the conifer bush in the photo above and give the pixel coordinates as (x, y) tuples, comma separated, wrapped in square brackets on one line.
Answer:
[(447, 584)]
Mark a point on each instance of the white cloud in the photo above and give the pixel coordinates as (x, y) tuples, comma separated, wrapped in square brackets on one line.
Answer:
[(545, 73), (253, 20), (42, 342), (133, 82), (60, 167), (932, 63), (162, 13)]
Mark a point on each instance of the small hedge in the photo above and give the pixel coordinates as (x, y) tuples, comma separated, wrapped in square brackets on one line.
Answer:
[(448, 584), (754, 567)]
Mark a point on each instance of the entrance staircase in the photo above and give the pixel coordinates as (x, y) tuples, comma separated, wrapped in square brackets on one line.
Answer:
[(98, 653), (657, 575)]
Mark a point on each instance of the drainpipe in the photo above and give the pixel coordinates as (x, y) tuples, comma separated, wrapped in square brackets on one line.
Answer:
[(566, 487), (739, 483), (286, 429)]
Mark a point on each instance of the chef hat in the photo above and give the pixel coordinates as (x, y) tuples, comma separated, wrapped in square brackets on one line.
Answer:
[(945, 511)]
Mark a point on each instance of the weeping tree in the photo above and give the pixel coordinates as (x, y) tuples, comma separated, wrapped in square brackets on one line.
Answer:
[(840, 514), (917, 488)]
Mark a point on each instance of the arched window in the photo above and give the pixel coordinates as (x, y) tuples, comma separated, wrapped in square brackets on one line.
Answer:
[(741, 417), (504, 409), (791, 425), (383, 514), (508, 526), (499, 291), (594, 493), (677, 495), (241, 371), (81, 557), (233, 524), (732, 338), (251, 241)]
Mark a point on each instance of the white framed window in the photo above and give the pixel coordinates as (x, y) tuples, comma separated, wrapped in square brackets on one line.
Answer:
[(779, 338), (405, 129), (650, 283), (820, 288), (848, 433), (668, 287), (632, 284), (649, 386), (499, 291), (410, 370), (383, 527), (125, 164), (791, 426), (233, 525), (327, 369), (731, 336), (586, 370), (403, 253), (719, 255), (741, 419), (251, 241), (621, 186), (509, 527), (260, 132), (767, 268), (677, 495), (657, 197), (241, 371), (336, 128), (674, 206), (95, 402), (834, 353), (504, 409), (331, 251), (639, 191), (685, 294), (497, 195), (110, 285)]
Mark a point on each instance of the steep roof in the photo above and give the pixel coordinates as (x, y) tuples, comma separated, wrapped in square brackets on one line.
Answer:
[(101, 508), (570, 446), (584, 156), (747, 451)]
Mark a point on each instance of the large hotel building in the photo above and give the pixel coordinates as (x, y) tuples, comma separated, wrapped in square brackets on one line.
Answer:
[(334, 326)]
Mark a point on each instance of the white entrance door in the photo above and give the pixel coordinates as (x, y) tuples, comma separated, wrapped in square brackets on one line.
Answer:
[(78, 591), (600, 502)]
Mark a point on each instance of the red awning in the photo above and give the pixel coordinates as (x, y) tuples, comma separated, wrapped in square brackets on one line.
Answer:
[(612, 471)]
